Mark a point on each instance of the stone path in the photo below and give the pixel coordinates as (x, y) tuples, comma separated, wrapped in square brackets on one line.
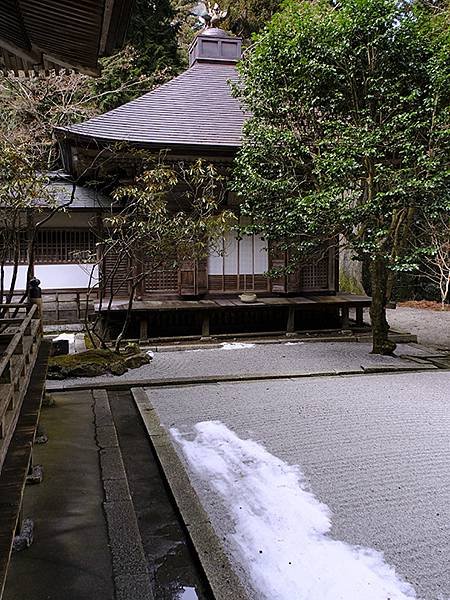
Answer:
[(105, 527), (70, 557)]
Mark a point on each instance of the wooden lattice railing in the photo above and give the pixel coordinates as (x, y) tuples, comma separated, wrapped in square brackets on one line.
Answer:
[(20, 338)]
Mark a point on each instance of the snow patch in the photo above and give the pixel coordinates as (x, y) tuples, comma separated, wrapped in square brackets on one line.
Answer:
[(280, 530), (293, 343), (70, 337), (199, 350), (235, 346)]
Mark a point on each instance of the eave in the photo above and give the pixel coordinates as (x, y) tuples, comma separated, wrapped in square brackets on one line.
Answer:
[(39, 35)]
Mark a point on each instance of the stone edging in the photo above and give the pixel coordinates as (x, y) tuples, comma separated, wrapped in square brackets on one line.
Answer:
[(224, 582), (130, 570)]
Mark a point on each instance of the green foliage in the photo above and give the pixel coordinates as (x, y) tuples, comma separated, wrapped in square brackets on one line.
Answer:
[(31, 106), (350, 127), (248, 17), (150, 58)]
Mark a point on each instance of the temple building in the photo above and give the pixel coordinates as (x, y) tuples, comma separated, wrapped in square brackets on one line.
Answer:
[(192, 116)]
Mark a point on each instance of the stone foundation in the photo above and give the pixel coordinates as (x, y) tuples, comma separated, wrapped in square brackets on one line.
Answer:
[(65, 307)]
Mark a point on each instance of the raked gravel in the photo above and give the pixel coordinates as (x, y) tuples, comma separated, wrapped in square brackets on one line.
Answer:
[(374, 449), (245, 359)]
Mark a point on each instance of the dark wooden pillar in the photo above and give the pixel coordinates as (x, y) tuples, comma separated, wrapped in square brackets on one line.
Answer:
[(290, 326), (345, 318), (287, 282), (359, 316)]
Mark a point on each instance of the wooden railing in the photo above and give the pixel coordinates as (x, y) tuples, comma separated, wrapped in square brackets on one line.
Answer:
[(20, 338)]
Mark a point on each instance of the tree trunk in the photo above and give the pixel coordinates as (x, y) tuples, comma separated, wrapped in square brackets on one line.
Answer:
[(380, 327), (391, 281), (127, 319)]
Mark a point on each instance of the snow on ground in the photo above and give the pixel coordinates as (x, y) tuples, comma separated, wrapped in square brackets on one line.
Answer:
[(280, 528), (235, 346), (224, 346)]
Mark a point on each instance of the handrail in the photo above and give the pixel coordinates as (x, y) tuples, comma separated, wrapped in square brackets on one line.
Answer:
[(16, 365), (15, 304), (16, 339)]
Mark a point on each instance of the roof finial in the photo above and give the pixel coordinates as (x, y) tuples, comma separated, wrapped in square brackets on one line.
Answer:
[(209, 14)]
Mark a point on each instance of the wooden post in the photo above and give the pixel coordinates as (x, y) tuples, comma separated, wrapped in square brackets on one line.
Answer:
[(359, 316), (205, 325), (35, 297), (290, 327), (345, 318), (143, 328)]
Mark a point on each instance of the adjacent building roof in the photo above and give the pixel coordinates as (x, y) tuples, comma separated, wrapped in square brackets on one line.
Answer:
[(194, 109), (59, 194), (41, 34), (84, 197)]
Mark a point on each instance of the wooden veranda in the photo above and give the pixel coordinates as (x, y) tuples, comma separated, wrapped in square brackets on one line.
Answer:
[(218, 316)]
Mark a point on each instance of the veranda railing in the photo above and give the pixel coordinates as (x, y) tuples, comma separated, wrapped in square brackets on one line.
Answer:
[(20, 337)]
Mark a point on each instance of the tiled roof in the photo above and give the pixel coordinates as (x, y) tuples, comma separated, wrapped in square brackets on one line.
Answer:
[(59, 193), (84, 197), (194, 109)]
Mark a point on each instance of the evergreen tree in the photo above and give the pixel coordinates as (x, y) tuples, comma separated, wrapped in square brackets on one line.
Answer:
[(150, 58), (350, 133)]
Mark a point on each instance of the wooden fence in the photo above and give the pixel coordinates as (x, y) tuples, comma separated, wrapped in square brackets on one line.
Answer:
[(20, 338)]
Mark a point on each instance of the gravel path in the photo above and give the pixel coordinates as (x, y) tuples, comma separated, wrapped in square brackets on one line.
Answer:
[(432, 327)]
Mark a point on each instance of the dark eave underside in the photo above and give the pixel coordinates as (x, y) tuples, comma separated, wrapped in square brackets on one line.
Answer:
[(39, 34)]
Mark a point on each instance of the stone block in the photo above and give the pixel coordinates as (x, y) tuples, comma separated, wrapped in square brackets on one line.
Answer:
[(67, 305), (49, 306), (49, 316), (67, 297), (68, 315)]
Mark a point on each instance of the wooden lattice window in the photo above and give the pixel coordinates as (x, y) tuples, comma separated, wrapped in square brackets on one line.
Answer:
[(315, 274), (55, 246), (162, 280)]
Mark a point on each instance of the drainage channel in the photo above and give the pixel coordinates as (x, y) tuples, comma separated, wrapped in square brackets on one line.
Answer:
[(176, 572)]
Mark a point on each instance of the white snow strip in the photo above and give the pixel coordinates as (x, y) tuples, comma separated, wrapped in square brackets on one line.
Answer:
[(236, 346), (293, 343), (279, 530), (70, 337)]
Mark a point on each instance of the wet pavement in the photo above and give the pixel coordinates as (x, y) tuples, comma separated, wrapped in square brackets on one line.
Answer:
[(74, 549), (70, 556), (171, 562)]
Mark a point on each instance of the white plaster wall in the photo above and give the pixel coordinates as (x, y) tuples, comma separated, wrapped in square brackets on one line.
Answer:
[(55, 277)]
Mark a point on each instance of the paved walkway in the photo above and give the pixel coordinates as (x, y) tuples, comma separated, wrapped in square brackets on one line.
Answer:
[(289, 358), (373, 448), (70, 558), (105, 527)]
